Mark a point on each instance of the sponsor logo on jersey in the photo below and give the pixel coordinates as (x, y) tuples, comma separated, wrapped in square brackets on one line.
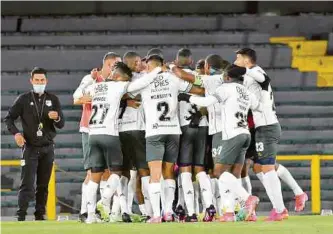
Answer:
[(160, 82)]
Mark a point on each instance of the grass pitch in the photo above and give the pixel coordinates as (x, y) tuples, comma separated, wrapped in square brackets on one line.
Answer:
[(294, 225)]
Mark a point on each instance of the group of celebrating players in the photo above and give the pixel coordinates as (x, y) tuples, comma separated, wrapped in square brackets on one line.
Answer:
[(150, 128)]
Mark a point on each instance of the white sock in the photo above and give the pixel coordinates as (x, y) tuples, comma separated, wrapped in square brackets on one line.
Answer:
[(170, 187), (273, 184), (286, 177), (102, 186), (181, 199), (145, 192), (212, 185), (186, 181), (233, 185), (111, 187), (196, 188), (260, 176), (246, 182), (142, 209), (131, 190), (84, 198), (162, 182), (264, 182), (155, 198), (92, 188), (122, 193), (206, 188), (217, 196), (115, 210), (227, 198)]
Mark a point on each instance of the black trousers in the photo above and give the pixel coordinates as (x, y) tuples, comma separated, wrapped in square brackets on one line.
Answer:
[(36, 167)]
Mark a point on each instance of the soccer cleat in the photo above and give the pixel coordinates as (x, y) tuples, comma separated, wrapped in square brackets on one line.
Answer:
[(39, 218), (250, 206), (285, 214), (168, 217), (252, 217), (91, 218), (20, 218), (126, 218), (114, 218), (191, 219), (300, 202), (104, 211), (274, 216), (210, 214), (155, 220), (228, 217), (180, 213), (83, 217)]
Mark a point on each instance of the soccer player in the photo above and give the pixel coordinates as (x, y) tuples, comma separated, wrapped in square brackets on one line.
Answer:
[(105, 149), (132, 134), (235, 102), (213, 68), (267, 130), (192, 152), (160, 105), (80, 98)]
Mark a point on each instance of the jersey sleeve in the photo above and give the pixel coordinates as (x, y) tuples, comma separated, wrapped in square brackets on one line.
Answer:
[(221, 94), (203, 101), (183, 86), (80, 91), (144, 81), (256, 74)]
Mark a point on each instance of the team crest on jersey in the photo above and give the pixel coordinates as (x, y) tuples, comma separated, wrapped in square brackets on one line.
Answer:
[(155, 126), (48, 103)]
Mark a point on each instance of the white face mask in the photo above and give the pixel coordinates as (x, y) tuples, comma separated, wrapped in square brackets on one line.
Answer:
[(39, 88)]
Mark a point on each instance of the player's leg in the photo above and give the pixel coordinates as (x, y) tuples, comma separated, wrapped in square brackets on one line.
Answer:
[(201, 175), (169, 160), (154, 156), (185, 173), (267, 138), (97, 163), (251, 153), (300, 196), (131, 189)]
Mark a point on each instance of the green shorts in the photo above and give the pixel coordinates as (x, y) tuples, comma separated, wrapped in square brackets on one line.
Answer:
[(105, 152), (133, 146), (85, 150), (233, 150), (162, 148), (267, 139)]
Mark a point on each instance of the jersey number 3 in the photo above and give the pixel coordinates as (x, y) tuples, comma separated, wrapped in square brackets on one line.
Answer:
[(163, 106), (97, 118)]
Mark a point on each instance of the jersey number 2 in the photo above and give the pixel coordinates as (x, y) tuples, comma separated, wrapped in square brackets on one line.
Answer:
[(242, 119), (95, 108), (163, 106)]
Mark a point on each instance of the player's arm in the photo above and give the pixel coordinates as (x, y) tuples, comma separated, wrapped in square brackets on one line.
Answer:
[(256, 74), (197, 90), (143, 81), (186, 76), (255, 104), (81, 90)]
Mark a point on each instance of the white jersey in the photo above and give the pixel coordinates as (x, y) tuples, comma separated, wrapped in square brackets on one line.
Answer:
[(132, 119), (263, 92), (160, 103), (186, 109), (105, 107), (235, 101), (211, 83)]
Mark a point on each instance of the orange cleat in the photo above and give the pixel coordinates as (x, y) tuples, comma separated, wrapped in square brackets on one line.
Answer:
[(274, 216), (300, 202)]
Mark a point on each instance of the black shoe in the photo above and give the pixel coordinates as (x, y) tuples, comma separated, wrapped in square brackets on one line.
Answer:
[(21, 218), (126, 218), (39, 218), (145, 218), (83, 217), (180, 212), (191, 219), (98, 214)]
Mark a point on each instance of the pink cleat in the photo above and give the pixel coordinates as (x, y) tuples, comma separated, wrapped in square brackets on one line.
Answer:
[(300, 202), (274, 216), (228, 217), (155, 220), (209, 214), (168, 217), (250, 206), (285, 214), (252, 217)]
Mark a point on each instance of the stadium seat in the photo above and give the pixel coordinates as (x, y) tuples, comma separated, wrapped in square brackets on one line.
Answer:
[(304, 96), (9, 24)]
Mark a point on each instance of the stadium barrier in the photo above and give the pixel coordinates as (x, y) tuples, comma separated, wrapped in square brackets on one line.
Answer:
[(315, 180)]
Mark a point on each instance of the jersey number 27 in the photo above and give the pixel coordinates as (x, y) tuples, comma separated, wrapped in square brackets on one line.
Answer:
[(99, 113)]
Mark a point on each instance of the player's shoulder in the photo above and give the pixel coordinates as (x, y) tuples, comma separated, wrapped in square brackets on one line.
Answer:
[(87, 77), (258, 69)]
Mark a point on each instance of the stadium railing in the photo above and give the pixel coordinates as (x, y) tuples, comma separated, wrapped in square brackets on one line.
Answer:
[(315, 181)]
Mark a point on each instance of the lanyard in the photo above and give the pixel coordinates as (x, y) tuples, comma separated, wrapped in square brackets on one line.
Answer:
[(41, 113)]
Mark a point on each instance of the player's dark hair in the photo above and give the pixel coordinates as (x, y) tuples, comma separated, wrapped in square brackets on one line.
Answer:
[(249, 53), (200, 64), (236, 73), (123, 69), (184, 52), (110, 55), (130, 54), (155, 51), (38, 70)]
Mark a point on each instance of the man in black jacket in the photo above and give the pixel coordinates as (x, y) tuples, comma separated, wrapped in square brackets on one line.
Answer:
[(40, 113)]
